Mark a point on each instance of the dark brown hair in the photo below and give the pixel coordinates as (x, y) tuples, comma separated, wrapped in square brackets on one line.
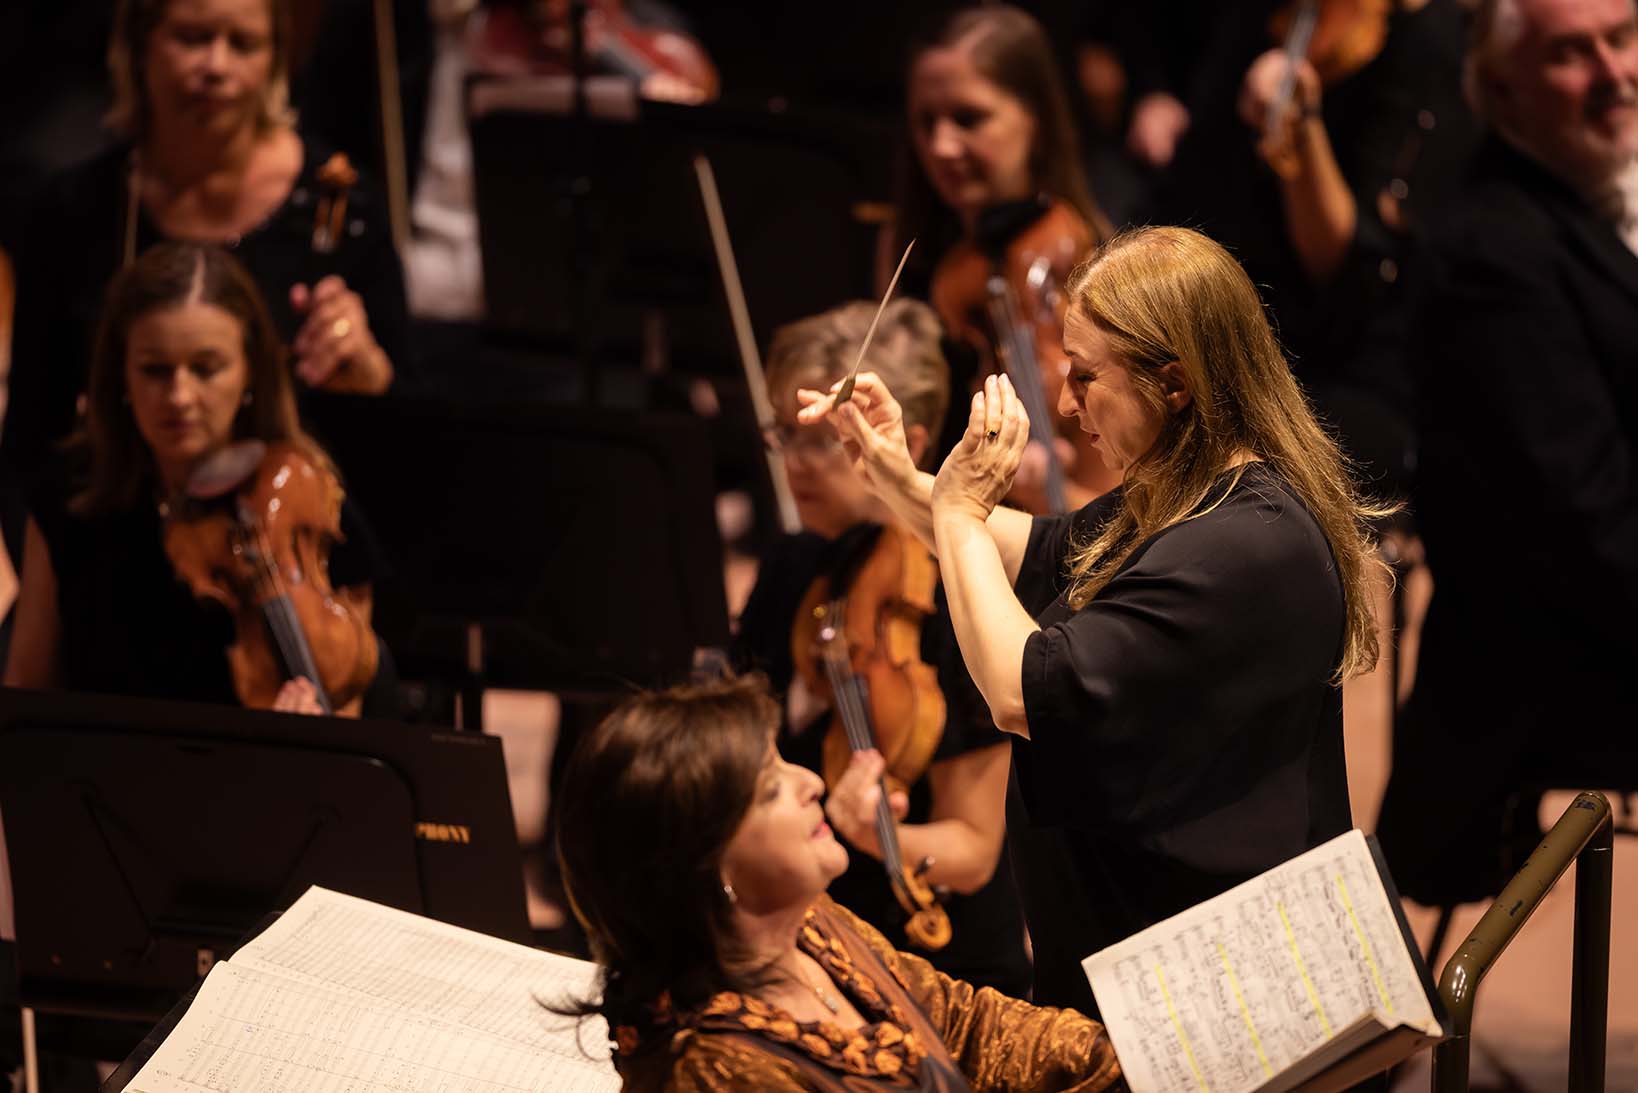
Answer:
[(1009, 48), (648, 804), (168, 275)]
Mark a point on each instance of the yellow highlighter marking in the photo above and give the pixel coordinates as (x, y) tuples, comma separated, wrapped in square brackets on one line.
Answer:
[(1178, 1025), (1313, 995), (1370, 957), (1245, 1011)]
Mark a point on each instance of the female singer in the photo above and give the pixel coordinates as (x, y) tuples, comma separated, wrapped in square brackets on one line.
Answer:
[(186, 363), (1170, 654), (997, 177), (956, 811), (697, 860), (210, 155)]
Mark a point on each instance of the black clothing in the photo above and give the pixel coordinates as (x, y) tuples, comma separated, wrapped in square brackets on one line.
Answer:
[(987, 946), (1528, 356), (1345, 334), (128, 626), (75, 246), (1185, 732)]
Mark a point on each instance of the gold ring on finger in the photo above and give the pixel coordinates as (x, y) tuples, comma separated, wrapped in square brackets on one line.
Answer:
[(991, 435), (341, 328)]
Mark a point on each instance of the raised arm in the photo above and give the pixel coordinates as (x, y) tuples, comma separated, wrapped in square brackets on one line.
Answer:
[(991, 625), (872, 426)]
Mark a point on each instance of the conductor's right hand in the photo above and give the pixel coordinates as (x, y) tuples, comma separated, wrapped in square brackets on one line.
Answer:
[(871, 426)]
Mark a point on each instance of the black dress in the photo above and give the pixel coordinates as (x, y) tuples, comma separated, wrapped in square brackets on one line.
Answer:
[(75, 245), (128, 626), (987, 946), (1185, 733)]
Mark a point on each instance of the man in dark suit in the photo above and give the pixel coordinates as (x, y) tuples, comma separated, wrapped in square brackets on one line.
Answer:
[(1527, 349)]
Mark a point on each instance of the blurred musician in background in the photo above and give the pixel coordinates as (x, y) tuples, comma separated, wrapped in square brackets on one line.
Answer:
[(955, 809), (211, 154), (1310, 170), (996, 188), (187, 362), (1526, 346)]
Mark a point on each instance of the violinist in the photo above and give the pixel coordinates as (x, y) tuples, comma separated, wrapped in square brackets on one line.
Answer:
[(996, 187), (1307, 152), (187, 365), (954, 814), (209, 153)]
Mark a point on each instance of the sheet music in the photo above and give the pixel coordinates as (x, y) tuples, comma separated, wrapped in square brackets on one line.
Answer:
[(393, 958), (1226, 996), (251, 1030)]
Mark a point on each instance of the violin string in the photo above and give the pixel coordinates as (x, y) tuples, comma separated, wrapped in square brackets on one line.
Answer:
[(281, 618), (845, 689), (1018, 352)]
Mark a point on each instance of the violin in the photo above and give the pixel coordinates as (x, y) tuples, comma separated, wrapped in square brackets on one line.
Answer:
[(252, 531), (1008, 304), (860, 644)]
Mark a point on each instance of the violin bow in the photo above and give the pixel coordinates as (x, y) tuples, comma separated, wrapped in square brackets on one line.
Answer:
[(739, 314), (1296, 48), (846, 391)]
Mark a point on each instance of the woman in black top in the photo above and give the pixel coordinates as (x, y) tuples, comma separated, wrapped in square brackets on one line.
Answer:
[(955, 812), (211, 156), (187, 364), (1171, 654)]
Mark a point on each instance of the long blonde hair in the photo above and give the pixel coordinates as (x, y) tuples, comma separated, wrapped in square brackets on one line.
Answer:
[(1163, 295)]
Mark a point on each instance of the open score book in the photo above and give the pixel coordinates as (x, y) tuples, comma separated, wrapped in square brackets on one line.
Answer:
[(341, 994), (1306, 977)]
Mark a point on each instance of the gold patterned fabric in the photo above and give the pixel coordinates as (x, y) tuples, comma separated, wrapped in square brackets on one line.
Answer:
[(923, 1031)]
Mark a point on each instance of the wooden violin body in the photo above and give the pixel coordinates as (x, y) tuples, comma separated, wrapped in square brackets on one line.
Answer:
[(1010, 310), (262, 552), (861, 646)]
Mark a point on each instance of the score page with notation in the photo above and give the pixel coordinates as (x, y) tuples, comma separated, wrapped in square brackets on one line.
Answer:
[(1266, 985), (342, 995)]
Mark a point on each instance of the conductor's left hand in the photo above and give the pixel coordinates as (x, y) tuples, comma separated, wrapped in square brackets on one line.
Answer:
[(979, 471)]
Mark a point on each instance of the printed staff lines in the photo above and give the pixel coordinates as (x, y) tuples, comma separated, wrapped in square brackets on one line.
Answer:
[(242, 1053)]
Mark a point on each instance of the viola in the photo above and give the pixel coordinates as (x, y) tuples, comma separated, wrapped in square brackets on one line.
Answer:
[(1007, 304), (252, 531), (858, 641)]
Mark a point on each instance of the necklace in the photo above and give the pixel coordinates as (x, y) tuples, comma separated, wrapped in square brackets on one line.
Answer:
[(828, 1000)]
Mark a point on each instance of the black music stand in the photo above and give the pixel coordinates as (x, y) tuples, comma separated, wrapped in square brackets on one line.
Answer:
[(540, 548), (146, 838), (593, 232)]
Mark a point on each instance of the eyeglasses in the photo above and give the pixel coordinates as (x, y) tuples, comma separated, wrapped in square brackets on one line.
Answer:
[(810, 440)]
